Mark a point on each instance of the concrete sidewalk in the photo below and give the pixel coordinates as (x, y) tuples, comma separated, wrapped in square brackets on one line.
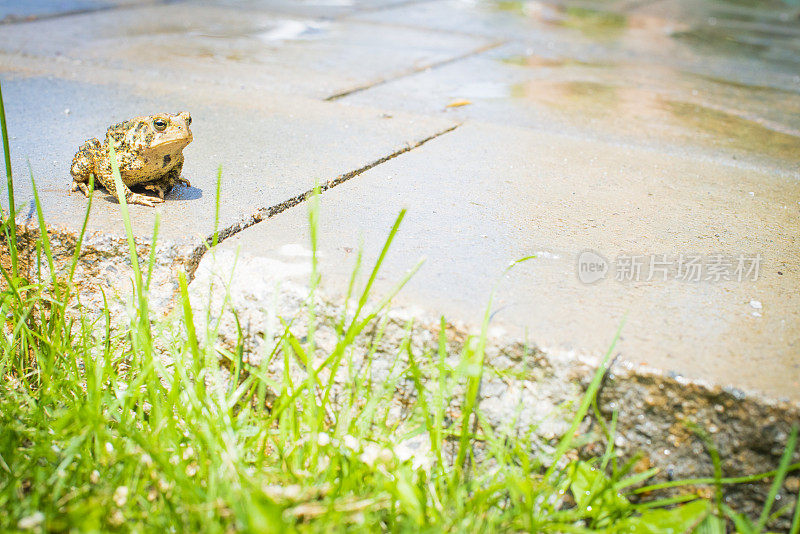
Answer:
[(652, 130)]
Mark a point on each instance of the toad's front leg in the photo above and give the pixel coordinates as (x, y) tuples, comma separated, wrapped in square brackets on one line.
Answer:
[(160, 188), (80, 186), (166, 183)]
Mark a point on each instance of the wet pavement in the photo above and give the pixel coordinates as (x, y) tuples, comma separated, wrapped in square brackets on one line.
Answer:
[(317, 142), (643, 131)]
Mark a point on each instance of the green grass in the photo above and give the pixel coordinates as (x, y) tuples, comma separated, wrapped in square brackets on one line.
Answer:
[(115, 427)]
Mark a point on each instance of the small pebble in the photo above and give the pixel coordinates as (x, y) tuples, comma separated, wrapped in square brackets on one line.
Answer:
[(756, 305)]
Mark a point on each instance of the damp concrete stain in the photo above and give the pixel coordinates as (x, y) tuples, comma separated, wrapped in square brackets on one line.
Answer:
[(631, 111), (719, 127), (595, 24), (764, 45), (536, 61)]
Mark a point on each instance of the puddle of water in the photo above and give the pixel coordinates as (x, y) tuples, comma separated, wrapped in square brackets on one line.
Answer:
[(741, 85), (762, 4), (535, 61), (623, 111), (735, 132), (514, 6), (581, 98), (593, 23), (596, 24), (712, 39), (743, 43)]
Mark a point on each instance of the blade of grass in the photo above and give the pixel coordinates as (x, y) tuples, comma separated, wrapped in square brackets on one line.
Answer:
[(439, 400), (706, 481), (151, 262), (191, 335), (475, 360), (10, 185), (636, 478), (313, 227), (715, 461), (215, 238), (362, 301), (126, 219), (668, 501), (783, 468), (586, 402), (43, 236), (740, 521), (474, 380), (356, 324), (78, 245), (779, 512)]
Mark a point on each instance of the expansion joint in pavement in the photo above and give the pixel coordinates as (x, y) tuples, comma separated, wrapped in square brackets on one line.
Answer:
[(416, 70), (271, 211)]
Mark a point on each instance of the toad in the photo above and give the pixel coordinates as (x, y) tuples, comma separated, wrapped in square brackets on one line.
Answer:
[(149, 153)]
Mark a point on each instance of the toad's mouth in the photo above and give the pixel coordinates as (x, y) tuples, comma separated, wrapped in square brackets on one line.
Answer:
[(171, 143)]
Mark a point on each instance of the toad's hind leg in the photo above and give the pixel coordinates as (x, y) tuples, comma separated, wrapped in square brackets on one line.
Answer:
[(83, 165)]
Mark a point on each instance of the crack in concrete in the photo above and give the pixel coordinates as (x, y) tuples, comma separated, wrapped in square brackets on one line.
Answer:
[(416, 70), (268, 212)]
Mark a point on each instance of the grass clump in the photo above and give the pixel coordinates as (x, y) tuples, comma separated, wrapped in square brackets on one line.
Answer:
[(121, 427)]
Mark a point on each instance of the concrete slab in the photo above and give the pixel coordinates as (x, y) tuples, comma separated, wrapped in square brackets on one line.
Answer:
[(237, 47), (485, 195), (270, 148)]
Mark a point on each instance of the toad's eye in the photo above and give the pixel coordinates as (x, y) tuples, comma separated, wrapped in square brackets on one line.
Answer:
[(188, 121), (160, 124)]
